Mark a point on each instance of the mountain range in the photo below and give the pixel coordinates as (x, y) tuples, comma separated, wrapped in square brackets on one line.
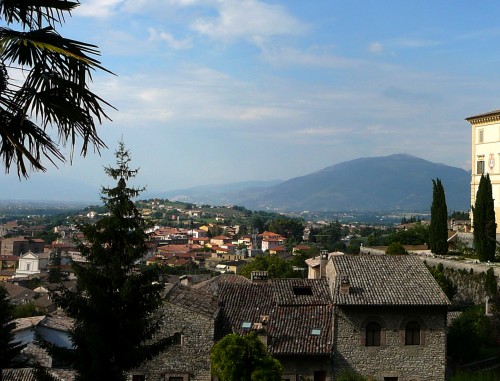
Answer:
[(395, 182)]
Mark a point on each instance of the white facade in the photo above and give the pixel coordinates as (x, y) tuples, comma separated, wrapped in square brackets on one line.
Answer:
[(32, 263), (486, 155)]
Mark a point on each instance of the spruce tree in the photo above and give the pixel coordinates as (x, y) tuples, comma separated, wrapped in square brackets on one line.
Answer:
[(484, 221), (114, 303), (438, 231), (8, 348)]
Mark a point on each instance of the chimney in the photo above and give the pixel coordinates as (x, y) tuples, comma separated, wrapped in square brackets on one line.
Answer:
[(344, 284), (259, 276), (322, 263)]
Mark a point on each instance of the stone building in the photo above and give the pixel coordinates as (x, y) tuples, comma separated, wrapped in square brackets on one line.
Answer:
[(390, 318), (188, 315), (292, 316)]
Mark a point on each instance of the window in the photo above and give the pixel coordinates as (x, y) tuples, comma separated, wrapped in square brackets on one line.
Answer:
[(412, 333), (316, 331), (246, 324), (480, 137), (138, 377), (177, 340), (176, 377), (480, 167), (302, 290), (373, 334)]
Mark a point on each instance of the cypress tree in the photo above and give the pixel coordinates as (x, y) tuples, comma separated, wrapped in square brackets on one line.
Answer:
[(484, 221), (438, 231), (114, 302)]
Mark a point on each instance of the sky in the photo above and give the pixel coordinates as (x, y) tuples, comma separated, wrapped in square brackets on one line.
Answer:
[(221, 91)]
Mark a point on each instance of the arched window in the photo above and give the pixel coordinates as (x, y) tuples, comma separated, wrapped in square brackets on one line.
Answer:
[(412, 333), (373, 334)]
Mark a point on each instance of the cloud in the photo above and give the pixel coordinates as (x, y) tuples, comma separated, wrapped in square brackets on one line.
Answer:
[(376, 47), (295, 57), (171, 41), (413, 43), (98, 8), (250, 20)]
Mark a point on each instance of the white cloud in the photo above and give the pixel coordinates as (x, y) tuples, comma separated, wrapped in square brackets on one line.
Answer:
[(171, 41), (376, 47), (250, 20), (98, 8)]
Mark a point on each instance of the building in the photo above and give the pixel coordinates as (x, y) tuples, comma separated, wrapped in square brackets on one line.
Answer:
[(485, 155), (390, 318)]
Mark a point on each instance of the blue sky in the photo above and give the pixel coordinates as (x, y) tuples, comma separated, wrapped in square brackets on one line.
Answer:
[(219, 91)]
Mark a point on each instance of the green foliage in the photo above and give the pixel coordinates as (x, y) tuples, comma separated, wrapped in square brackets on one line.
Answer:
[(243, 358), (480, 376), (471, 332), (445, 282), (396, 248), (490, 282), (460, 215), (328, 236), (25, 310), (438, 230), (53, 90), (350, 376), (55, 274), (8, 349), (275, 266), (418, 234), (115, 303), (291, 228), (484, 221)]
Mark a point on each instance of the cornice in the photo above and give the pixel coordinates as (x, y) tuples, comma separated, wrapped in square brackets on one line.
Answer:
[(485, 118)]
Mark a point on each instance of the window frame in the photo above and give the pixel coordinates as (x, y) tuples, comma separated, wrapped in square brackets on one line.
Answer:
[(413, 333), (373, 334)]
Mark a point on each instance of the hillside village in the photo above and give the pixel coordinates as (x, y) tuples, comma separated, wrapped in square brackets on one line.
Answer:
[(346, 303)]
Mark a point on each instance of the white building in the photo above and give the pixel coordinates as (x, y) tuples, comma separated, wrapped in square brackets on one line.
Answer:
[(486, 155)]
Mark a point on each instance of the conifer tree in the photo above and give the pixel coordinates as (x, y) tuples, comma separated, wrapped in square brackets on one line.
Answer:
[(438, 231), (8, 348), (484, 221), (114, 302)]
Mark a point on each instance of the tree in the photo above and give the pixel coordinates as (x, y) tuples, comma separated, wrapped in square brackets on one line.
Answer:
[(291, 228), (8, 348), (438, 230), (396, 248), (484, 221), (114, 303), (55, 274), (54, 90), (243, 358)]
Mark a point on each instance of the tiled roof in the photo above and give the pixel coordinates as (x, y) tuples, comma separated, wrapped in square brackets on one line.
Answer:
[(291, 330), (212, 285), (385, 280), (297, 292), (28, 374), (193, 300), (290, 316)]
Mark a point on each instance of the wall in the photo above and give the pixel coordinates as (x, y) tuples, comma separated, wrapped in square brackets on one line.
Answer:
[(193, 356), (426, 362), (305, 366)]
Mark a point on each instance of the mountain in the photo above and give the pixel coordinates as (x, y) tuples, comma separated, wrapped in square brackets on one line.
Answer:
[(395, 182)]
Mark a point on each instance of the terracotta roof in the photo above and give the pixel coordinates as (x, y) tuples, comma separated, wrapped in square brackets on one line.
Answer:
[(385, 280), (297, 292), (28, 374)]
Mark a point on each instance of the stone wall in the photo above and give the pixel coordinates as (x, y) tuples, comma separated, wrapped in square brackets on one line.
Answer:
[(425, 362), (191, 357), (297, 368)]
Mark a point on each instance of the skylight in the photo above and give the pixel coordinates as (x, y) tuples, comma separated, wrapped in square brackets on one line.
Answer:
[(316, 331), (302, 290), (246, 324)]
